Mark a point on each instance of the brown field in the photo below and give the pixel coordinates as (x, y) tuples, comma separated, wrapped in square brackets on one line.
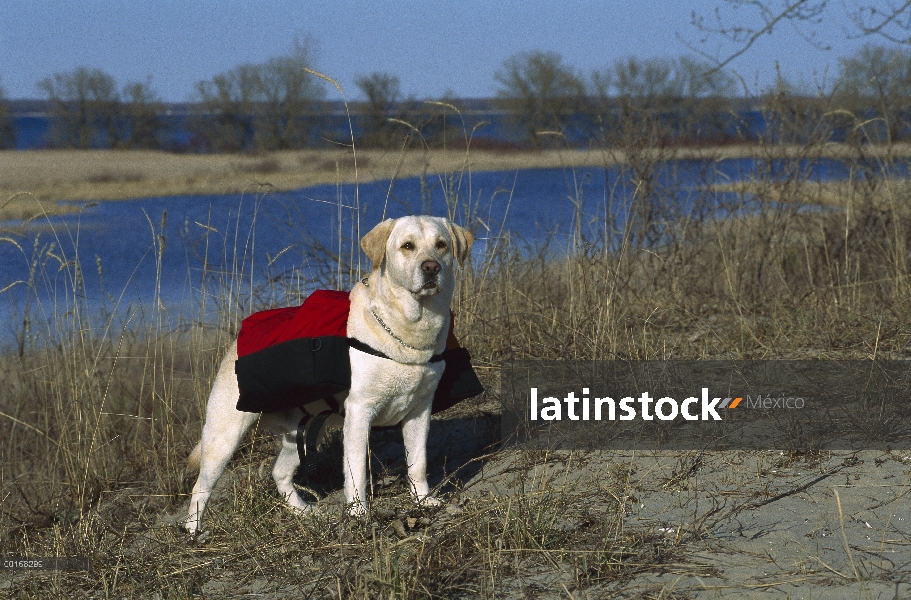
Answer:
[(892, 192), (97, 416), (50, 176), (32, 182)]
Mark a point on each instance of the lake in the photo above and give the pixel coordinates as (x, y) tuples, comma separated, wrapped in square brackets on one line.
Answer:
[(273, 246)]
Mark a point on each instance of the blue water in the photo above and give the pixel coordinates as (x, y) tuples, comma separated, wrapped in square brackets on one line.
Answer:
[(34, 131), (133, 253)]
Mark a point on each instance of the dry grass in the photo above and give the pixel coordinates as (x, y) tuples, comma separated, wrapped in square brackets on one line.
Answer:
[(52, 175), (99, 413), (842, 194), (49, 176)]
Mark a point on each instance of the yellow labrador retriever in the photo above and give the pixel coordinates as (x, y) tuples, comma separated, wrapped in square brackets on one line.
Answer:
[(399, 318)]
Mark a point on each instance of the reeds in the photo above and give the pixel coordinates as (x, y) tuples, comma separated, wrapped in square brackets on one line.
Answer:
[(100, 406)]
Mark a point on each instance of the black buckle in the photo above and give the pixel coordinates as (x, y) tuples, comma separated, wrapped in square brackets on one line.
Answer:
[(306, 443)]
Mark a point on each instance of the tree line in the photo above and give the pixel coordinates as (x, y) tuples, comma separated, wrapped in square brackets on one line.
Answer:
[(7, 131), (280, 104)]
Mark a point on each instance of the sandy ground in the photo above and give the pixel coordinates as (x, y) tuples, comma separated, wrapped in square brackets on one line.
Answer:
[(715, 524), (755, 524), (750, 524), (32, 182)]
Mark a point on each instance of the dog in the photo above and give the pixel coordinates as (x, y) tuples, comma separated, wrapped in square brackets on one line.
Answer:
[(399, 317)]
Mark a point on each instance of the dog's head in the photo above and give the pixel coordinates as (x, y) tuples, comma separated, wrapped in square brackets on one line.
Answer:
[(418, 252)]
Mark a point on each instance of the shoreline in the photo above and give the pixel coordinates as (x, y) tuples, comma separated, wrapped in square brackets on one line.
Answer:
[(32, 183)]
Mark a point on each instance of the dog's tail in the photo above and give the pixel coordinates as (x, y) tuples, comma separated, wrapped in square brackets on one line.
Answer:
[(193, 459)]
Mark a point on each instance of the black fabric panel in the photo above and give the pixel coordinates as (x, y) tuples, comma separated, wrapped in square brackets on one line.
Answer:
[(292, 373), (458, 382)]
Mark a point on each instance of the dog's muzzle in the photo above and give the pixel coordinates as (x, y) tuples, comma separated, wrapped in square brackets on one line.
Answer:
[(431, 270)]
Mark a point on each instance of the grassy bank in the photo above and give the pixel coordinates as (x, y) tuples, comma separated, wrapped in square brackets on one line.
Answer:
[(31, 183), (49, 176), (99, 413)]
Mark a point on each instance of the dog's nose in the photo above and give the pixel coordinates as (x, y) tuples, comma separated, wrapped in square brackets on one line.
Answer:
[(430, 267)]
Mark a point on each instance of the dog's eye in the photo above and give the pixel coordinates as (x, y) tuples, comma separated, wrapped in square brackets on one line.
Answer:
[(408, 246), (441, 245)]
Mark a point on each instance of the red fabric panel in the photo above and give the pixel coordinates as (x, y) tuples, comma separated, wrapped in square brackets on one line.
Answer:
[(323, 313)]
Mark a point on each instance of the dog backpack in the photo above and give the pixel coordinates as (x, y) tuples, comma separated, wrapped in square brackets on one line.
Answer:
[(288, 357)]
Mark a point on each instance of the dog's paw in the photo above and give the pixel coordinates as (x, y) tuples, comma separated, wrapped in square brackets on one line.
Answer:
[(203, 537), (197, 535), (356, 509), (297, 505), (189, 525), (429, 502)]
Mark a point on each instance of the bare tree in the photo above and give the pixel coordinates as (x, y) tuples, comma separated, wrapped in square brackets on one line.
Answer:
[(698, 79), (741, 23), (541, 93), (289, 98), (7, 131), (227, 108), (265, 106), (662, 98), (88, 111), (442, 122), (142, 110), (390, 121), (384, 94), (891, 21), (85, 108), (875, 84), (647, 81), (791, 117)]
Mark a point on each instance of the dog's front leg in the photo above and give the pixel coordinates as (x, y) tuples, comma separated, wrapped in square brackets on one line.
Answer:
[(356, 433), (415, 428)]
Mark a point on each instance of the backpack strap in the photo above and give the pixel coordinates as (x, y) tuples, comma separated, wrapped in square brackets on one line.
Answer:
[(309, 427), (306, 441), (359, 345)]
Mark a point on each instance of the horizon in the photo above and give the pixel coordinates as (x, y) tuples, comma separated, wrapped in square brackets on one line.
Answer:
[(175, 46)]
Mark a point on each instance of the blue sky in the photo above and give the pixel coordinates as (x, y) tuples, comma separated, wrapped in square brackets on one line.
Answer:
[(433, 46)]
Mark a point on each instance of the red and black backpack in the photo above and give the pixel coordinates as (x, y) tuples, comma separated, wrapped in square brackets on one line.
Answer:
[(288, 357)]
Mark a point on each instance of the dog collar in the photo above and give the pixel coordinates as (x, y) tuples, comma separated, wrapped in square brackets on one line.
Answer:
[(359, 345), (394, 336), (373, 351)]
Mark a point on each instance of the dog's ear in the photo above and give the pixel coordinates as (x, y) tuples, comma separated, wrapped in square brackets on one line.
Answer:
[(374, 243), (462, 239)]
